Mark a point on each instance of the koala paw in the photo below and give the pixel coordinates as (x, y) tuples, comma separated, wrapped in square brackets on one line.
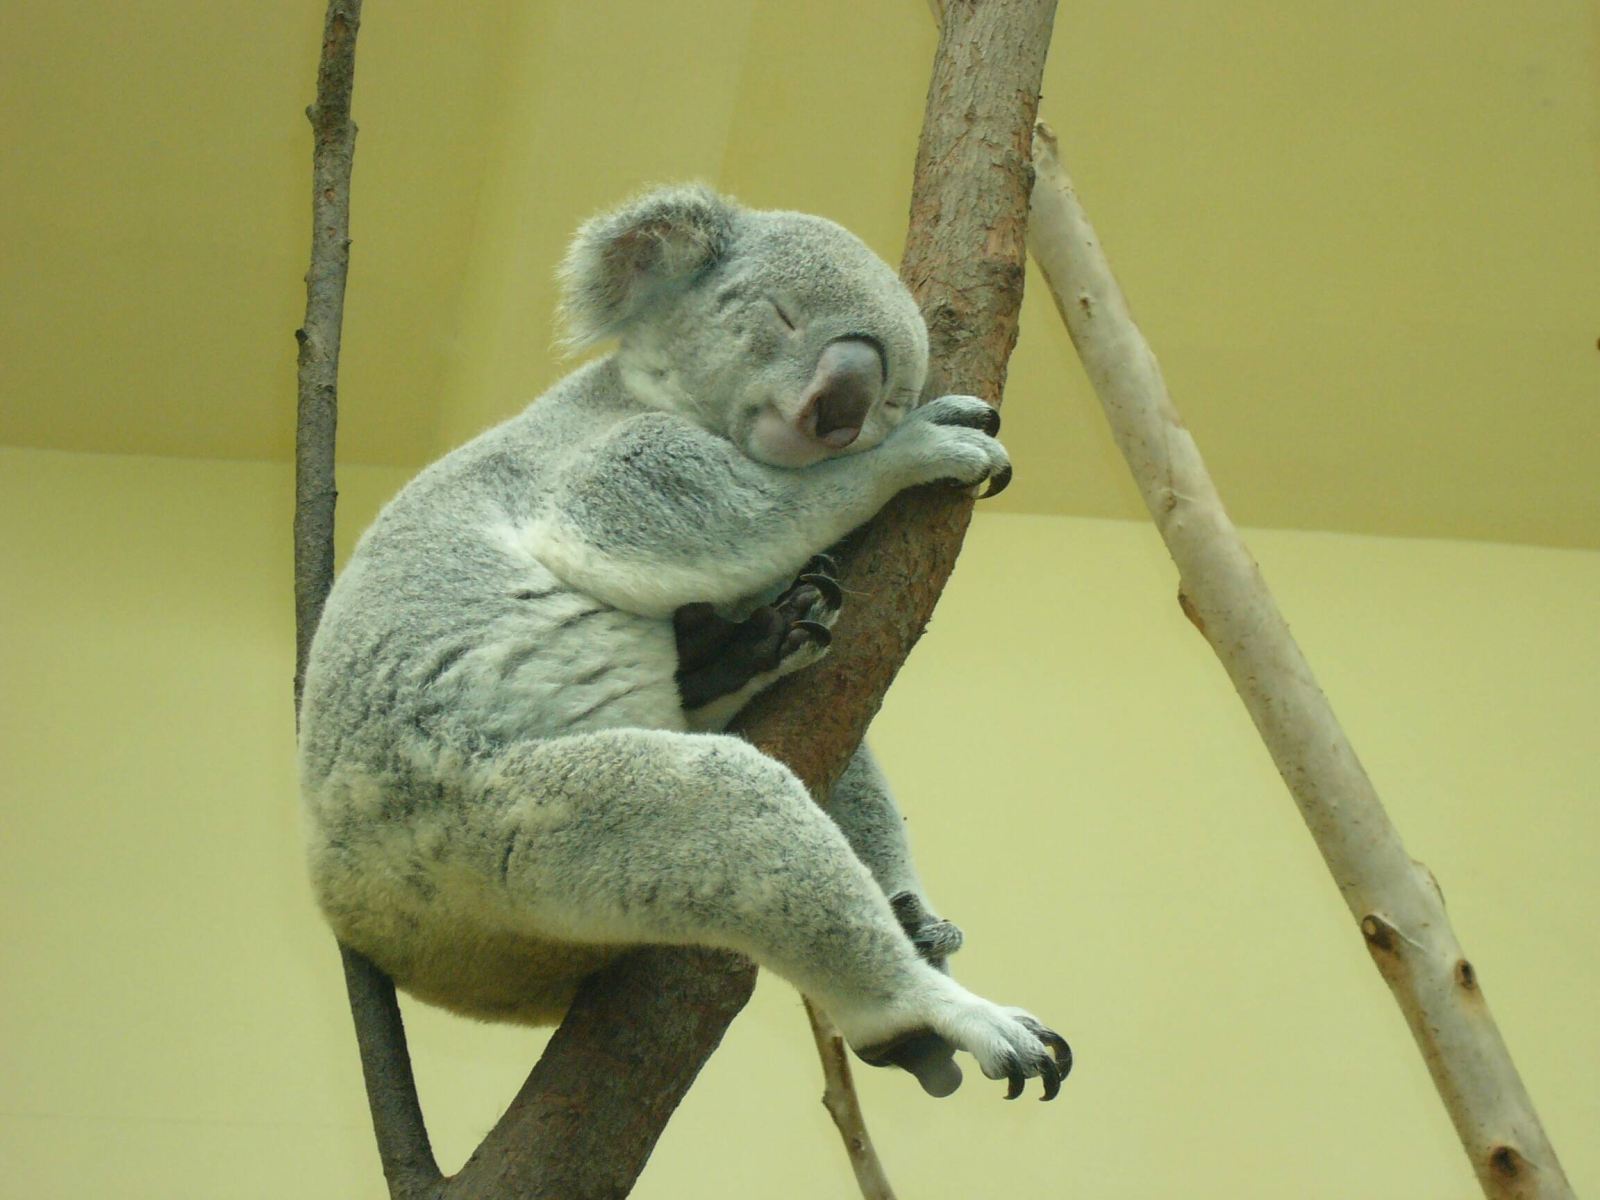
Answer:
[(808, 609), (967, 411), (923, 1053), (1008, 1043), (935, 939), (963, 451), (729, 661), (1016, 1046), (934, 1016)]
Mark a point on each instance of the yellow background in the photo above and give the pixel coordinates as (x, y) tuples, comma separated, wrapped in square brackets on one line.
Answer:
[(1364, 242), (1087, 799)]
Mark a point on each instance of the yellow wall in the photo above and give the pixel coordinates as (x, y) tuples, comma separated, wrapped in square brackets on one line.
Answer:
[(1089, 803)]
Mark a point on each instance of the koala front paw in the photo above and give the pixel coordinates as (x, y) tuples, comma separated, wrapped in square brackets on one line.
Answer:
[(960, 434), (968, 411), (935, 939), (721, 660)]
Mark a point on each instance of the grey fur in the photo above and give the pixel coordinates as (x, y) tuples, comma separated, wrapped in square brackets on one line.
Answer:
[(502, 790)]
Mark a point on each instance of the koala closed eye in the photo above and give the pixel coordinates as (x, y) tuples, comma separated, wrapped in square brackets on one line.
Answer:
[(789, 322)]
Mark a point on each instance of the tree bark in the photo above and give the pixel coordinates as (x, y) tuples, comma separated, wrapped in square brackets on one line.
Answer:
[(586, 1120), (333, 153), (1395, 900)]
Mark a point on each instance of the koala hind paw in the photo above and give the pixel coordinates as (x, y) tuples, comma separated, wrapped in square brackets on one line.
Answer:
[(924, 1054), (1010, 1044)]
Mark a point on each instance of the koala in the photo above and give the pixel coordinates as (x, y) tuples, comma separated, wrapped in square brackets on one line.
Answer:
[(510, 749)]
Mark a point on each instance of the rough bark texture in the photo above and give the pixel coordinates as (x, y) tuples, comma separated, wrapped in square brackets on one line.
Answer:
[(588, 1117), (844, 1106), (1395, 900)]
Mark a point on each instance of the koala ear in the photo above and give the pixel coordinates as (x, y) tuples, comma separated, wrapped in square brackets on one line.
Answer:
[(621, 262)]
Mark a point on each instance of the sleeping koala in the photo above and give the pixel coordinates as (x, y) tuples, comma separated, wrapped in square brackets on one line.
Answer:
[(506, 788)]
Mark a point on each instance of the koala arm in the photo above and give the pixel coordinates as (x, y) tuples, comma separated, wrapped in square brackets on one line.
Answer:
[(662, 513)]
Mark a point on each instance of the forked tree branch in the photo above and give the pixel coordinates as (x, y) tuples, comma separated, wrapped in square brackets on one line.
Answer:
[(1395, 901), (589, 1115)]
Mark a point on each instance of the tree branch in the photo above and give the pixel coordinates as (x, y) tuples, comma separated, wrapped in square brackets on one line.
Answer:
[(1395, 900), (403, 1144), (964, 263)]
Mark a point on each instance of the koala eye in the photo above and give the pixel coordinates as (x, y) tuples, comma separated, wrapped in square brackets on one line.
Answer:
[(788, 321)]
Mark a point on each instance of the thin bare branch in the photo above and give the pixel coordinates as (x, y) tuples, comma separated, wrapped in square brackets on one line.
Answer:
[(403, 1144), (1395, 901), (844, 1106)]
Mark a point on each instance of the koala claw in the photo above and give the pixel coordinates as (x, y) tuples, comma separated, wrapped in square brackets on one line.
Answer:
[(832, 594), (998, 482), (803, 632), (718, 658), (1051, 1070), (821, 564), (968, 411)]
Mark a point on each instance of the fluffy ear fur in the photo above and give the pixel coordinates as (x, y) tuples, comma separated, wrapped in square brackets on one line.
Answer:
[(622, 261)]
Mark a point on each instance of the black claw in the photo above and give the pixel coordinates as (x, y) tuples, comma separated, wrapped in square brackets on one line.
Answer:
[(827, 588), (1018, 1082), (985, 419), (821, 564), (998, 482), (820, 633), (1052, 1080), (1061, 1051)]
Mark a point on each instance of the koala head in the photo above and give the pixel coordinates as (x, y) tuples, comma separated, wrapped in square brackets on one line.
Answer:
[(779, 331)]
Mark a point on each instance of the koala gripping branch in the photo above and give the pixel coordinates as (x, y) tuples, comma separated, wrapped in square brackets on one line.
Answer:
[(591, 1111), (633, 1041)]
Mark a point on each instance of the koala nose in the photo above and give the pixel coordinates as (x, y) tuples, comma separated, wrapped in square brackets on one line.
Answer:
[(848, 379)]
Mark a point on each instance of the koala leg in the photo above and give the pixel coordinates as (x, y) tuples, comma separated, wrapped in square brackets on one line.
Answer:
[(632, 836), (862, 806)]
